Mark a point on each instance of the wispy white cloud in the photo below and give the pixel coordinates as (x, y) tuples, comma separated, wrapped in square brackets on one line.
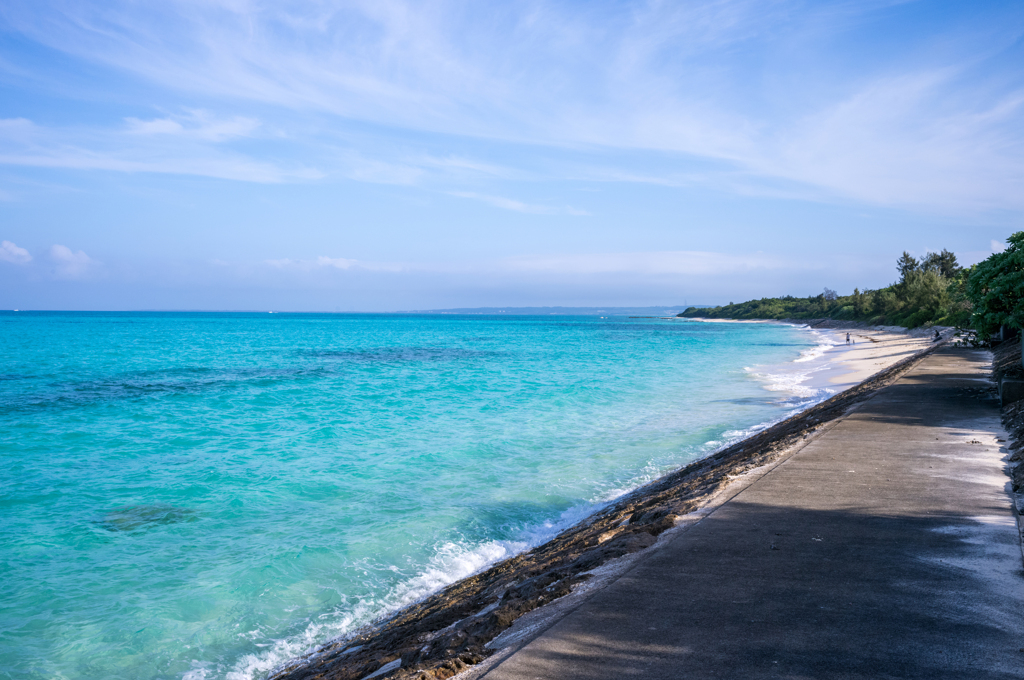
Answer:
[(21, 128), (728, 181), (336, 262), (195, 125), (896, 142), (684, 263), (689, 263), (728, 80), (162, 151), (9, 252), (357, 166), (324, 263), (70, 264), (218, 168), (468, 166), (519, 206)]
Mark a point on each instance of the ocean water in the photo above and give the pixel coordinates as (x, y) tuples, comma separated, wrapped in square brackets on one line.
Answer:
[(207, 495)]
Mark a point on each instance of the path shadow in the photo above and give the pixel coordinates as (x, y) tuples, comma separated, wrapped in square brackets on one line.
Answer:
[(791, 593)]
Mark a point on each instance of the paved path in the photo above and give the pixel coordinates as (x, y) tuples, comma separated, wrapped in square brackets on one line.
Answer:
[(886, 548)]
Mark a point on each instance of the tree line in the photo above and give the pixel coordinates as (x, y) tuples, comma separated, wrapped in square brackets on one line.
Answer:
[(935, 290)]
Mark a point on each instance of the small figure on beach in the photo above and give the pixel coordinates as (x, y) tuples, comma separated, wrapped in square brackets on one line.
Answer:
[(937, 336), (847, 338)]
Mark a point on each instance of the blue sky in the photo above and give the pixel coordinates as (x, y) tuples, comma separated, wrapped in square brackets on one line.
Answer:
[(385, 155)]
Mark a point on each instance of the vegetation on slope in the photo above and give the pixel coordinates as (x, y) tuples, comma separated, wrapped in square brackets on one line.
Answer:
[(934, 291), (995, 289)]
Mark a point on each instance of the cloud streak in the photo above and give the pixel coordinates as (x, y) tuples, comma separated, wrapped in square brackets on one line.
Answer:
[(9, 252), (323, 263), (72, 265), (686, 263), (196, 125), (519, 206), (656, 263), (163, 146)]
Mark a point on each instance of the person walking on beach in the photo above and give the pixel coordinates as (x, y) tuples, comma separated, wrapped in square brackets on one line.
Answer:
[(847, 338)]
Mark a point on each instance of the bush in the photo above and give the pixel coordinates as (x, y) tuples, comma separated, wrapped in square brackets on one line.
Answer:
[(995, 288)]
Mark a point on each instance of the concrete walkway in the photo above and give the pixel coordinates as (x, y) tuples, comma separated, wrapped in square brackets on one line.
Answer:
[(885, 548)]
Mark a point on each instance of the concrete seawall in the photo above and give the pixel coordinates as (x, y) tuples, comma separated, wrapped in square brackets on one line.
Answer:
[(887, 547)]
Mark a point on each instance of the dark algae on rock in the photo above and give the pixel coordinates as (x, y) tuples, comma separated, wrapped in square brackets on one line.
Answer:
[(448, 631)]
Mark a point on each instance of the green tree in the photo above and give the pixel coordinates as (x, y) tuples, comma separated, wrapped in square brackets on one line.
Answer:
[(928, 292), (959, 310), (906, 264), (924, 297), (995, 288), (943, 263), (861, 302)]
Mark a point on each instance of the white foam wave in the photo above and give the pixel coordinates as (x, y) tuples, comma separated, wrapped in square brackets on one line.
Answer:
[(451, 562), (792, 383), (792, 379), (198, 671), (650, 472), (816, 352), (733, 436)]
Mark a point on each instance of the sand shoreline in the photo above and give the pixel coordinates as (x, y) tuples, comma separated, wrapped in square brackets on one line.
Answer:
[(449, 631), (872, 349), (837, 366)]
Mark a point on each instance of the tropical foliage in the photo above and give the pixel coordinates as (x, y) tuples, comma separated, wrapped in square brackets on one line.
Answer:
[(995, 289), (933, 291), (928, 292)]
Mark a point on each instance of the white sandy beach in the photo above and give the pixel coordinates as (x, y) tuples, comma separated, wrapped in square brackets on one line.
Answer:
[(870, 352), (834, 366)]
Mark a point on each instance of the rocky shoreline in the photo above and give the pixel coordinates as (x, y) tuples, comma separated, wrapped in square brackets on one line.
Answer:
[(448, 631)]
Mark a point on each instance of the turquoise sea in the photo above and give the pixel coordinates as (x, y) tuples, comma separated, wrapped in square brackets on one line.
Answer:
[(207, 495)]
